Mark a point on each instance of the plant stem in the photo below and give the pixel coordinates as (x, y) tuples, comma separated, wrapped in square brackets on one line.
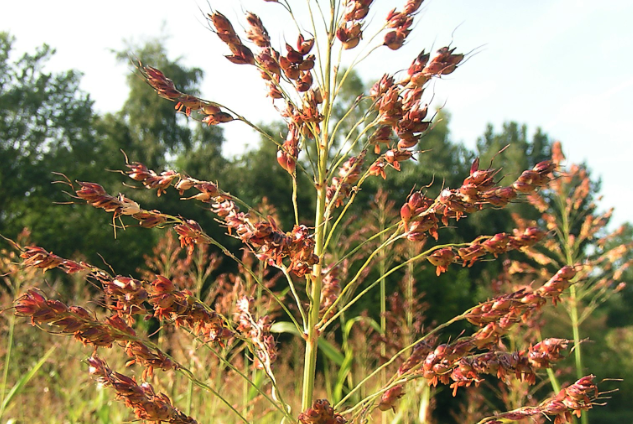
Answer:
[(7, 358), (315, 302), (568, 246), (323, 147), (382, 267)]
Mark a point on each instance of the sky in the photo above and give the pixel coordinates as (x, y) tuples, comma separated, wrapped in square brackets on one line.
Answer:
[(562, 65)]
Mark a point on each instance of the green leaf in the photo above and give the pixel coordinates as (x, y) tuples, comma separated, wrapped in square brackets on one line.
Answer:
[(346, 366), (25, 379), (343, 372), (258, 381)]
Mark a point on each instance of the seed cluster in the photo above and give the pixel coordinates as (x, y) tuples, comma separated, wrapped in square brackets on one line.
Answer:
[(269, 244), (399, 104), (211, 112), (97, 197), (321, 413), (79, 322), (263, 236), (258, 332), (571, 400), (185, 310), (142, 398), (456, 361), (126, 297), (401, 23), (420, 213), (483, 245), (348, 176)]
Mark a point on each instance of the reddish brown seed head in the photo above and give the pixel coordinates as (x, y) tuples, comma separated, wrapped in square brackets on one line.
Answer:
[(395, 39), (390, 397), (257, 32)]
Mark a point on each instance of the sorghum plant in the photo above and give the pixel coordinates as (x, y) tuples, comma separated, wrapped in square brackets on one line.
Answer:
[(303, 79), (569, 209)]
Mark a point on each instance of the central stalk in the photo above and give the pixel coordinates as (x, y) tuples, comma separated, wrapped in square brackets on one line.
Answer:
[(322, 142)]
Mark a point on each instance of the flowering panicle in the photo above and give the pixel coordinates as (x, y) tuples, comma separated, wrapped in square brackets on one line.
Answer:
[(400, 23), (522, 365), (262, 235), (185, 310), (126, 296), (295, 66), (258, 333), (190, 234), (96, 196), (330, 292), (142, 398), (456, 361), (482, 245), (443, 63), (571, 400), (289, 152), (321, 413), (306, 117), (343, 185), (256, 31), (557, 284), (37, 257), (420, 213), (269, 244), (211, 112), (84, 327), (393, 124), (350, 31), (241, 55), (399, 104), (298, 63), (207, 190)]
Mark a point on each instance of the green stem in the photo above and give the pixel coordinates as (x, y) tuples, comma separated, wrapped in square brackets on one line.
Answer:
[(382, 266), (246, 381), (568, 247), (315, 302), (293, 290), (7, 358), (322, 145), (190, 384), (576, 331), (294, 198)]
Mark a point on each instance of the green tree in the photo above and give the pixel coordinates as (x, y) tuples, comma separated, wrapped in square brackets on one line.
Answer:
[(46, 126), (154, 132), (148, 131), (256, 175)]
